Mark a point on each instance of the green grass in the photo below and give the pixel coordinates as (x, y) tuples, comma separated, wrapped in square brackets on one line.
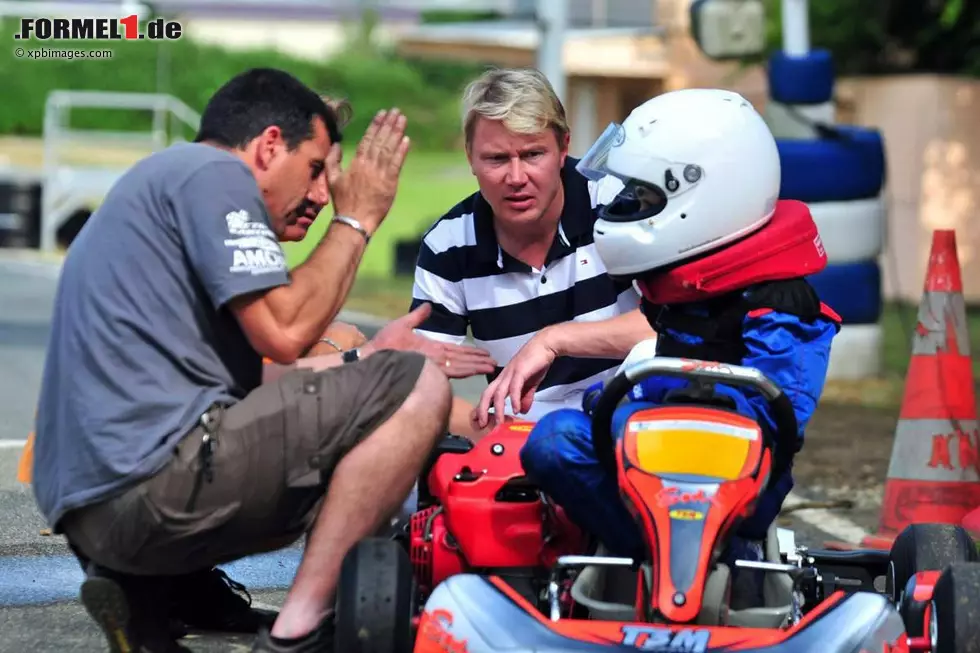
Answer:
[(431, 183), (886, 390), (387, 297), (899, 324)]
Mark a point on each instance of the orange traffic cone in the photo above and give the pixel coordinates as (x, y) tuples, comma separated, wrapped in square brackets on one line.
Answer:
[(25, 467), (934, 473)]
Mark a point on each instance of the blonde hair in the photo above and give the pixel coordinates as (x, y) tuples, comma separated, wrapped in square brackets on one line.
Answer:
[(522, 98)]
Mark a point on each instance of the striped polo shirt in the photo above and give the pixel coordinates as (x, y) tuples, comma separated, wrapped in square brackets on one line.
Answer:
[(473, 285)]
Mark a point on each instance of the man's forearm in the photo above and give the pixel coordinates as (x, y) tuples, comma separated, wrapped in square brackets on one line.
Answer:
[(612, 338), (318, 287)]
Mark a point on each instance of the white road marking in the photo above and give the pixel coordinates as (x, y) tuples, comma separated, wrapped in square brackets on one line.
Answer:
[(31, 265), (12, 444), (834, 525)]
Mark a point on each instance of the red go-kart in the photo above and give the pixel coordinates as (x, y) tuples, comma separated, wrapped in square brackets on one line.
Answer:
[(489, 564)]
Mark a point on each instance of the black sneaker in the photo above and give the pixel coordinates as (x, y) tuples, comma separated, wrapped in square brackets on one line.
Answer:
[(319, 641), (211, 601), (123, 607)]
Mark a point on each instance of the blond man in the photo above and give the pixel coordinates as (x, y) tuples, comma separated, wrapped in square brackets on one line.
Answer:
[(514, 262)]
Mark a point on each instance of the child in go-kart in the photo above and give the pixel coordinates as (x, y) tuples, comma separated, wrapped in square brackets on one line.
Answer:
[(720, 265)]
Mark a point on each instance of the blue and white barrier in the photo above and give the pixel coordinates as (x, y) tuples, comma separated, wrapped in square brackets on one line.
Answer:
[(839, 171)]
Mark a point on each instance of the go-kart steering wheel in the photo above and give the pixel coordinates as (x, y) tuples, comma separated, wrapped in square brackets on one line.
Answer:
[(784, 442)]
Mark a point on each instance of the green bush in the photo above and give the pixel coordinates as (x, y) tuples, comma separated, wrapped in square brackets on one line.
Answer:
[(427, 92)]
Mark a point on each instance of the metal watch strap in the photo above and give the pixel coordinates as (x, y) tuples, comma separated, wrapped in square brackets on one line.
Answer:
[(351, 355), (353, 224)]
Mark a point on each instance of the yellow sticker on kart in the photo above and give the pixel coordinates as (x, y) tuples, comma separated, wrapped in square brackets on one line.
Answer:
[(676, 446), (686, 515)]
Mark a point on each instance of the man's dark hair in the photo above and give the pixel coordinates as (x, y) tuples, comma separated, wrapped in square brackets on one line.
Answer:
[(259, 98)]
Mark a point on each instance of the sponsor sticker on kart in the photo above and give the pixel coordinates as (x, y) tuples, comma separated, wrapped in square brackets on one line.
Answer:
[(654, 638), (672, 496), (686, 515), (435, 633)]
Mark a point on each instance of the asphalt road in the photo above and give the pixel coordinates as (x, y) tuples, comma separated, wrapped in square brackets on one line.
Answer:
[(39, 579)]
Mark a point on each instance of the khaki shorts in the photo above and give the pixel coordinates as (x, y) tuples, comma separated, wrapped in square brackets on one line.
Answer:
[(273, 457)]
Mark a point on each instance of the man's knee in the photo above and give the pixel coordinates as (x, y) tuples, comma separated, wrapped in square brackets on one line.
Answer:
[(431, 398), (557, 438), (435, 387)]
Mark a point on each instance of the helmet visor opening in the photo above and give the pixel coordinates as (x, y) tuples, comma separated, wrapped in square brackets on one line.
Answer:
[(637, 201)]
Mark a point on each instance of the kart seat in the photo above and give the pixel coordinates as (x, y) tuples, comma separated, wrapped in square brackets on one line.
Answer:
[(609, 593)]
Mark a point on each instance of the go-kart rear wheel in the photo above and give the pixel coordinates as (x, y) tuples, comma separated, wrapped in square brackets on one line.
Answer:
[(375, 599), (955, 620)]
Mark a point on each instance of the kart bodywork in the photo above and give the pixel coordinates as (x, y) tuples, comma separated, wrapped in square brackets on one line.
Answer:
[(489, 564), (479, 614)]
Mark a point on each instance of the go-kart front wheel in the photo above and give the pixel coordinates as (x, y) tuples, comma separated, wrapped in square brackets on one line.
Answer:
[(375, 599), (926, 547), (955, 618), (923, 547)]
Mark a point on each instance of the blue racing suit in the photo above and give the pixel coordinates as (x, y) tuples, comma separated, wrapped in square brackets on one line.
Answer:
[(559, 457)]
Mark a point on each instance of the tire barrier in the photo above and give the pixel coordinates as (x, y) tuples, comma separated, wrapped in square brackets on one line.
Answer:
[(839, 171), (801, 80), (851, 231), (857, 349), (853, 290), (801, 121), (846, 165)]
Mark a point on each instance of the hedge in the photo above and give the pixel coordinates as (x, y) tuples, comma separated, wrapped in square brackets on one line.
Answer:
[(428, 92)]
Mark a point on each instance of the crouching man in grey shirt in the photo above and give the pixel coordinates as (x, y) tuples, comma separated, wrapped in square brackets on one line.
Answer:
[(159, 453)]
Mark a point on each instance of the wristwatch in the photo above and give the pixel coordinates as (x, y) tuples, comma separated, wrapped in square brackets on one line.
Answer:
[(353, 224), (351, 355)]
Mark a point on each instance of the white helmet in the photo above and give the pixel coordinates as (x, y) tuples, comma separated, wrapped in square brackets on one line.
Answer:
[(700, 169)]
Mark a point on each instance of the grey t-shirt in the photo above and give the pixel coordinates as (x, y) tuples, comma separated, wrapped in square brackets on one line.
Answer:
[(142, 341)]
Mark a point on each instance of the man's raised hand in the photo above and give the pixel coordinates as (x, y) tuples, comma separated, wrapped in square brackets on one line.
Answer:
[(366, 190)]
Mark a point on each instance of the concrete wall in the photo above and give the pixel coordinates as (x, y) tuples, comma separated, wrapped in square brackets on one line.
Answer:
[(932, 138)]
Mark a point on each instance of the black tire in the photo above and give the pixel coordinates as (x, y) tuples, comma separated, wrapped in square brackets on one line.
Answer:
[(375, 599), (926, 547), (956, 609)]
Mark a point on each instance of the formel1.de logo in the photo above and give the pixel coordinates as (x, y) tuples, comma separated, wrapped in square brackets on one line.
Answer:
[(97, 29)]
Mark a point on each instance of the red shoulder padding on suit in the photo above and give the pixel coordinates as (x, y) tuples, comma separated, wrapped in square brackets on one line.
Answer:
[(789, 246)]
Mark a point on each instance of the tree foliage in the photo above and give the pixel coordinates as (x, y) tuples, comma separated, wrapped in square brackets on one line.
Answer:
[(879, 37), (371, 78)]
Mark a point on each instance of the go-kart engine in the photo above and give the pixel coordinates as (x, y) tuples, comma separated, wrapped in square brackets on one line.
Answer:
[(432, 550)]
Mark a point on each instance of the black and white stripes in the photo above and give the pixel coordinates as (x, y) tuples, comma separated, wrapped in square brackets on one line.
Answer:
[(475, 286)]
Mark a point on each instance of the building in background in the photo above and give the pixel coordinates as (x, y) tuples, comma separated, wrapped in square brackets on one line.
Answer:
[(617, 54)]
